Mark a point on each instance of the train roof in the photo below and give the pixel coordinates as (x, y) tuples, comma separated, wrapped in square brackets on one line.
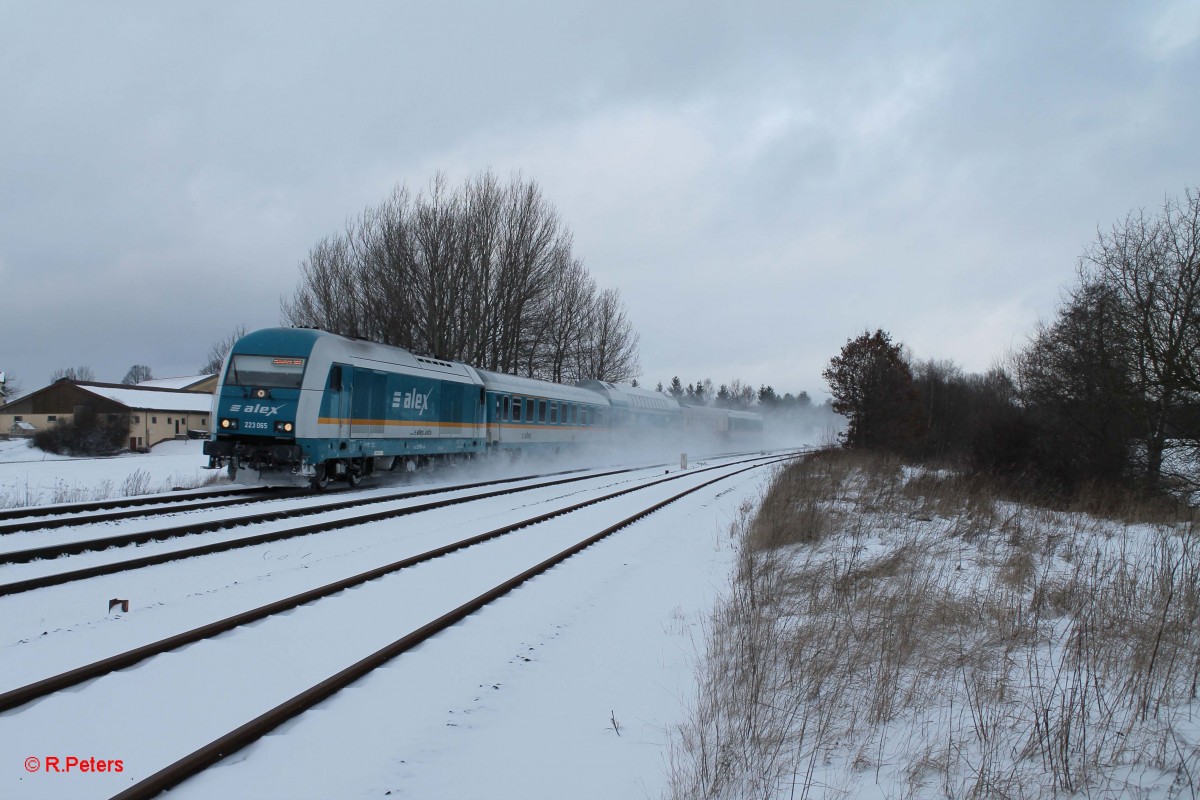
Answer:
[(305, 342), (532, 387), (624, 396)]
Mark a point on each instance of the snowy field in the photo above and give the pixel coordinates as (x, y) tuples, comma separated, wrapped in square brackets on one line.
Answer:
[(568, 687), (901, 633), (31, 477)]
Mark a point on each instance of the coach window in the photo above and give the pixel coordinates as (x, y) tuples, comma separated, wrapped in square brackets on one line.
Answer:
[(516, 409), (529, 407), (553, 413), (504, 409), (574, 414), (541, 410)]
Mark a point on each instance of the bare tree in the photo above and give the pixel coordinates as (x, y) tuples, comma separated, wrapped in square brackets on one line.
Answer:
[(9, 386), (219, 350), (136, 374), (611, 348), (741, 395), (73, 374), (484, 274), (560, 332), (1075, 380), (1151, 267)]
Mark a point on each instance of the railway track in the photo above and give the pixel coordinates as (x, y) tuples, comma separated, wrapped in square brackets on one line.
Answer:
[(244, 734), (41, 518), (164, 534), (67, 509), (69, 519)]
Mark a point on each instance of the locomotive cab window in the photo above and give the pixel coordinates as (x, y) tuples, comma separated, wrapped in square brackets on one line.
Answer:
[(269, 371)]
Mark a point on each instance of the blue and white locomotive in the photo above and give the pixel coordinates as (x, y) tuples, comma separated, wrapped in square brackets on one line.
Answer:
[(298, 405)]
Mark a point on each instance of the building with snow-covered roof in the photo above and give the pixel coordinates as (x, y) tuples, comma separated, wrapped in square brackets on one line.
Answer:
[(155, 414), (187, 383)]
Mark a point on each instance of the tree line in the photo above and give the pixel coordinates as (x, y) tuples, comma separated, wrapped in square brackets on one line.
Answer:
[(734, 395), (1106, 392), (483, 273)]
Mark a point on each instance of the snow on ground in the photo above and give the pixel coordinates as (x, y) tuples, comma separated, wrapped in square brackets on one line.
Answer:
[(29, 476), (565, 688), (909, 634)]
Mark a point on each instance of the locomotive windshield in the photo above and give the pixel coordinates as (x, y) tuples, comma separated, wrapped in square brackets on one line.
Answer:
[(276, 372)]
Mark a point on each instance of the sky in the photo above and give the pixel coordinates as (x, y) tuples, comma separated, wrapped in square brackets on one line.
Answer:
[(762, 181)]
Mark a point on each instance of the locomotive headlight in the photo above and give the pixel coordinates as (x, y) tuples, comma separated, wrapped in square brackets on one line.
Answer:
[(283, 427), (229, 424)]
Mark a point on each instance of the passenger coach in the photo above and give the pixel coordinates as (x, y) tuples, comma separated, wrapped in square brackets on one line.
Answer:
[(527, 415)]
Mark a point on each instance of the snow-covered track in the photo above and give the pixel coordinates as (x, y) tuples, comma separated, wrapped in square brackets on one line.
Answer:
[(318, 691), (67, 519), (163, 534), (28, 693), (67, 509)]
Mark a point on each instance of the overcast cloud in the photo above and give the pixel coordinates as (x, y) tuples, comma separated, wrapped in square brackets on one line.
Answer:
[(762, 181)]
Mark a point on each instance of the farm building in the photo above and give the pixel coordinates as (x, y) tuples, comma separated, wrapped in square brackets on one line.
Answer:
[(156, 413)]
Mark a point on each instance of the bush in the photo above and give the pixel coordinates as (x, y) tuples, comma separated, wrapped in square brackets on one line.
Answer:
[(88, 434)]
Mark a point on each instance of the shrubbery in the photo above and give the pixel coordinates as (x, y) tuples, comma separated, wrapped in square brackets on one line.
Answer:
[(88, 434)]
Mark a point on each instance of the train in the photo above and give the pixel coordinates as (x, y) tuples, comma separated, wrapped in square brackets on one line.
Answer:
[(303, 406)]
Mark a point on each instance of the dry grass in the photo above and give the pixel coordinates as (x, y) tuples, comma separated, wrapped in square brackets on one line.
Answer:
[(915, 633), (139, 482)]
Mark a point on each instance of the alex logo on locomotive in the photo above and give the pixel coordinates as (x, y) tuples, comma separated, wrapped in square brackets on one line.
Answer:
[(413, 400), (257, 408)]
